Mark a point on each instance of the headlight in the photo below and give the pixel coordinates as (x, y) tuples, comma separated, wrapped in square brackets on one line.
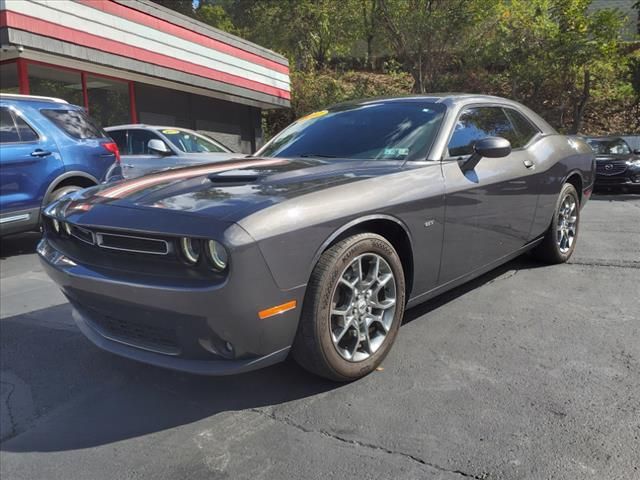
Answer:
[(190, 250), (56, 225), (217, 255), (634, 163), (67, 228)]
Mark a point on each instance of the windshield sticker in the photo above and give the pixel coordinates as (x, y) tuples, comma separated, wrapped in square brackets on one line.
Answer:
[(396, 152), (170, 132), (321, 113)]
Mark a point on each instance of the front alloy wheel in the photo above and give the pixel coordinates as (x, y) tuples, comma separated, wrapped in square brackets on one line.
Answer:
[(352, 309), (363, 307)]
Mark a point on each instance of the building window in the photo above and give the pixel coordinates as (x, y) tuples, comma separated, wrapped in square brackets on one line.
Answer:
[(55, 82), (9, 77), (108, 100)]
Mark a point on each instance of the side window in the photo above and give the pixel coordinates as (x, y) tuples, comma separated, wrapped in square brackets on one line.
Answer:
[(120, 137), (477, 123), (8, 130), (525, 130), (138, 140), (27, 134), (14, 129)]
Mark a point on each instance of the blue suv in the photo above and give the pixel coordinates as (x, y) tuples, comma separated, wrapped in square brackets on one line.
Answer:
[(48, 148)]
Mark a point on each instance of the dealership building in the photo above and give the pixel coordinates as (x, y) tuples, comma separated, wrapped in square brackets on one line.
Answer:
[(133, 61)]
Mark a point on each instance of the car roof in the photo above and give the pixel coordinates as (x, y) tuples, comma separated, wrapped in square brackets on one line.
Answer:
[(37, 102), (144, 125), (446, 98), (453, 100), (606, 137)]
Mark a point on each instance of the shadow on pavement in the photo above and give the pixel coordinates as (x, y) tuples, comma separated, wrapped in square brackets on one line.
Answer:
[(85, 397), (20, 244), (615, 195), (524, 262)]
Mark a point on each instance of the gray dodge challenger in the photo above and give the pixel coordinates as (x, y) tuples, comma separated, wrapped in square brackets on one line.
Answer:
[(315, 246)]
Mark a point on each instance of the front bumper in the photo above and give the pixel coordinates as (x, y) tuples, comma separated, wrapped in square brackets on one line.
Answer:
[(211, 330)]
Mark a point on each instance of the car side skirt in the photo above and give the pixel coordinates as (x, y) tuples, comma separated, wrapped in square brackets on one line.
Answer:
[(19, 221)]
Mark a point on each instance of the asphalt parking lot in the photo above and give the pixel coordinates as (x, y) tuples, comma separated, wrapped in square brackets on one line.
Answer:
[(530, 372)]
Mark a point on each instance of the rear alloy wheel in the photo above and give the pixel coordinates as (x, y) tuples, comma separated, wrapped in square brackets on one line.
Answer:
[(560, 240), (353, 308)]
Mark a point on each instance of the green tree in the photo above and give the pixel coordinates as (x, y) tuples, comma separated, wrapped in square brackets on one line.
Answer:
[(556, 55), (429, 37)]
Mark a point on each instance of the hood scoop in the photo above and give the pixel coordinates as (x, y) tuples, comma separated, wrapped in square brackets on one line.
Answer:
[(234, 179)]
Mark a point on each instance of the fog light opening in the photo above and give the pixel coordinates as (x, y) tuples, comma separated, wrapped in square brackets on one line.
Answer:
[(228, 347)]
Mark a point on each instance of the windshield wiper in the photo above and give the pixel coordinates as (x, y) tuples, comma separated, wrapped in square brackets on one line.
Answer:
[(317, 155)]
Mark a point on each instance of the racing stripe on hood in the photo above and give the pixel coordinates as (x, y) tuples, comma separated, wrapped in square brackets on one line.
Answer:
[(133, 186)]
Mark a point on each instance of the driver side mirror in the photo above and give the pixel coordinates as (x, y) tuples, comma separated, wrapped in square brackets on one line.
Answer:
[(636, 151), (158, 147), (490, 147)]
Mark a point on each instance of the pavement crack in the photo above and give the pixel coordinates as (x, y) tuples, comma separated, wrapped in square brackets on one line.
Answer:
[(325, 433), (12, 422), (604, 263)]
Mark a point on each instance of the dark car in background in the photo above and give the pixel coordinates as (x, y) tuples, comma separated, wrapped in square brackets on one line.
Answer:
[(48, 148), (147, 148), (617, 164), (315, 245)]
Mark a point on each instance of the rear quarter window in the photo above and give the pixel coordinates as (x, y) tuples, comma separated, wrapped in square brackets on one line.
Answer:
[(74, 123)]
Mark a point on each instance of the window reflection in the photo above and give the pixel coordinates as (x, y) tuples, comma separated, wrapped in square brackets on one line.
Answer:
[(54, 82), (108, 100)]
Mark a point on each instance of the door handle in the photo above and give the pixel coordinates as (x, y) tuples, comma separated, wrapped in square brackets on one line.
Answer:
[(40, 153), (529, 164), (127, 165)]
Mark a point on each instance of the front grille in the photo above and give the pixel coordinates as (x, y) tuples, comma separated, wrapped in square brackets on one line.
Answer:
[(128, 243), (610, 168), (137, 334)]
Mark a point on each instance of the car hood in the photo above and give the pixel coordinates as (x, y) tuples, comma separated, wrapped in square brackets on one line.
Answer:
[(608, 158), (231, 189)]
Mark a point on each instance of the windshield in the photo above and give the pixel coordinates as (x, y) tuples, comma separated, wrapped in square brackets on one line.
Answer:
[(616, 146), (376, 131), (190, 142)]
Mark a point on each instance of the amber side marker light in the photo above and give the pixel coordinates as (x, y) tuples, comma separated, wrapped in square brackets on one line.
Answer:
[(278, 309)]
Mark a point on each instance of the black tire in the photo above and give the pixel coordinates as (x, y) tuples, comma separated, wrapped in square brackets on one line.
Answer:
[(313, 347), (550, 251)]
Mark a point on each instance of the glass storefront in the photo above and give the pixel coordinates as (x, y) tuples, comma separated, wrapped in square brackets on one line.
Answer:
[(108, 100), (111, 101), (55, 82), (9, 78)]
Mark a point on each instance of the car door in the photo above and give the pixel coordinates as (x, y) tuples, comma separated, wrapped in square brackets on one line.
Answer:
[(28, 161), (139, 159), (490, 208)]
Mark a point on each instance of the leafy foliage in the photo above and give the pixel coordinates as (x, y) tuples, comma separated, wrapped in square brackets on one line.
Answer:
[(561, 57)]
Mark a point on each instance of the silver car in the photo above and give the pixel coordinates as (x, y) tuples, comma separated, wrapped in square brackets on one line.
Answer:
[(146, 148)]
